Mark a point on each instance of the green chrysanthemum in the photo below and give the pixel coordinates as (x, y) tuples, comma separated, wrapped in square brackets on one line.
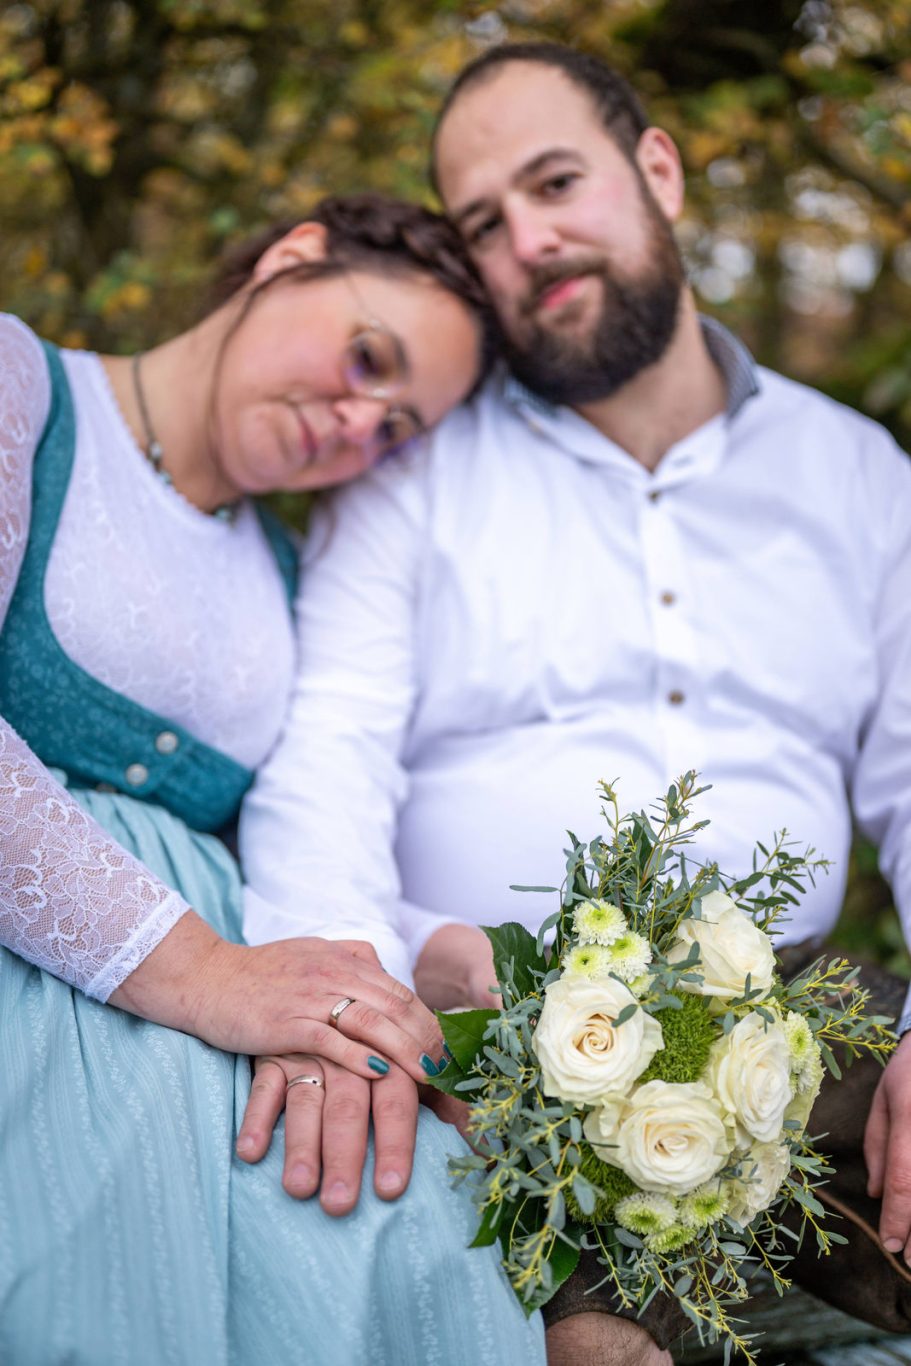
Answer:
[(645, 1213), (706, 1205), (630, 955), (587, 960), (671, 1239), (598, 922), (800, 1038), (613, 1184), (688, 1036), (804, 1054)]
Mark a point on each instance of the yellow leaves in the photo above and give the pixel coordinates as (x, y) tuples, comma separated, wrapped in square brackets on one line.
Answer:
[(131, 297), (703, 146), (354, 33), (33, 93), (34, 263), (83, 128), (341, 127), (901, 124), (213, 151), (120, 291)]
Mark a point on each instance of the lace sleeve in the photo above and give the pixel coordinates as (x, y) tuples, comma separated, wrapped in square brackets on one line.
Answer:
[(71, 900), (24, 402)]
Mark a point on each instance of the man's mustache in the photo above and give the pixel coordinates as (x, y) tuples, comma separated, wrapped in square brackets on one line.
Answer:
[(544, 277)]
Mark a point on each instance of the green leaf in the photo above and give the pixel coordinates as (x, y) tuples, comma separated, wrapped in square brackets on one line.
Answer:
[(626, 1014), (515, 955), (546, 925), (464, 1034), (489, 1226), (584, 1194)]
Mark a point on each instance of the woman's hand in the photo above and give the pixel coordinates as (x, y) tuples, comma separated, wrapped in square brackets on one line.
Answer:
[(326, 1128), (277, 998), (455, 968)]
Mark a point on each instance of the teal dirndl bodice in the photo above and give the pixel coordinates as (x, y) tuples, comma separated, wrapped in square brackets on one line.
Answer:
[(69, 719)]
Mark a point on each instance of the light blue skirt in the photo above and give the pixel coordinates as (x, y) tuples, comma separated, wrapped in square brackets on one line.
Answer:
[(129, 1233)]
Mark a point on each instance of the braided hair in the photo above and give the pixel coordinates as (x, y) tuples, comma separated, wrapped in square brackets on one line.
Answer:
[(364, 231)]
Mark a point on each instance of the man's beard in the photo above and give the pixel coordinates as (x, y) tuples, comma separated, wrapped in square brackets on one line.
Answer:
[(635, 327)]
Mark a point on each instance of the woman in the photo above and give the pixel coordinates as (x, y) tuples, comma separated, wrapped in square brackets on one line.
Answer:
[(145, 657)]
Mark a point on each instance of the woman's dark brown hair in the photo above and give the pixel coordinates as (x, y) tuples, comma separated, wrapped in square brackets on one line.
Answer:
[(365, 232)]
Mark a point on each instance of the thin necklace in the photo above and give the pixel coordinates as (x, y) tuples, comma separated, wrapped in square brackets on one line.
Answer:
[(153, 452)]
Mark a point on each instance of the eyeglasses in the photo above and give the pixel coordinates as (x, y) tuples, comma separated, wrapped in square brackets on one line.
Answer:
[(374, 365)]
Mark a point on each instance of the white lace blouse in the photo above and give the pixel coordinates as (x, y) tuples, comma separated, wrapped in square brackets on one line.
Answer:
[(178, 611)]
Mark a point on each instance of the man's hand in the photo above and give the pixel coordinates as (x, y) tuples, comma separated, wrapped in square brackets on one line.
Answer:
[(887, 1150), (455, 968), (326, 1128)]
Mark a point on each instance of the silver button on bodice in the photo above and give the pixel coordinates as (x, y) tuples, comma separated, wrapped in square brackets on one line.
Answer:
[(167, 742), (136, 775)]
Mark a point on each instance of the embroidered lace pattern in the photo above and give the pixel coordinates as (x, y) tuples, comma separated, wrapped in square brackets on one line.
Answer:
[(71, 900)]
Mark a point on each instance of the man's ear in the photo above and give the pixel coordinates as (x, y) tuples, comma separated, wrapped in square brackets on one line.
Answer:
[(305, 242), (659, 161)]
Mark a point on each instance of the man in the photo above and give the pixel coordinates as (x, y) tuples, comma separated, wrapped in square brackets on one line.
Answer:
[(642, 557)]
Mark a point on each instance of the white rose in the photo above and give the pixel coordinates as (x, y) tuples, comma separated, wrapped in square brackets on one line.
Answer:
[(731, 948), (603, 1124), (763, 1169), (669, 1137), (750, 1071), (583, 1056)]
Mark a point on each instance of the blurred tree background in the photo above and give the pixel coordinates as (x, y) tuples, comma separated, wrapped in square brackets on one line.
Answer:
[(138, 138)]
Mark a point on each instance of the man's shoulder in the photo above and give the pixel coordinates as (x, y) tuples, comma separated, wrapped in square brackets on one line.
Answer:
[(487, 410), (791, 400), (823, 442)]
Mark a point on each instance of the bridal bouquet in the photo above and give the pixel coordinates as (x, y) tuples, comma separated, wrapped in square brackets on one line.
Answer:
[(644, 1086)]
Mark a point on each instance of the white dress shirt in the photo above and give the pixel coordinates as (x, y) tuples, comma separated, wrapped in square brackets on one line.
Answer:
[(495, 623)]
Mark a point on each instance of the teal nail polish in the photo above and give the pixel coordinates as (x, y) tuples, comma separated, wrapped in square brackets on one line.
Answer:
[(429, 1066), (442, 1064), (377, 1065), (446, 1052)]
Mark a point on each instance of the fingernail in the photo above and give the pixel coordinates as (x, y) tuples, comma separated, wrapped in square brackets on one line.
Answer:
[(893, 1244), (245, 1144), (337, 1193), (390, 1181), (443, 1063), (446, 1053), (300, 1174), (429, 1066), (377, 1065)]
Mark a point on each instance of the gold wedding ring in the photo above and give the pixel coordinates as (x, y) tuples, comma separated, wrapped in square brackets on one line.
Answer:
[(337, 1009), (305, 1079)]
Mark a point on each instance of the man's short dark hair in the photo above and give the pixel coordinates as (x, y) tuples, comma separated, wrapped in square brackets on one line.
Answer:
[(613, 98)]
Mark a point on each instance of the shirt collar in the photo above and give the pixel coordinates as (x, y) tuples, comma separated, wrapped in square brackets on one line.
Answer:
[(730, 355)]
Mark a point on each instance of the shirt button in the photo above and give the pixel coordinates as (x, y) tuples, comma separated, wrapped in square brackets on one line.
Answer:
[(167, 742), (136, 775), (654, 496), (676, 697), (668, 598)]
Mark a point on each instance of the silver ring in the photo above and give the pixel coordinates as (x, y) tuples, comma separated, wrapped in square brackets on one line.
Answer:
[(305, 1079), (337, 1009)]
